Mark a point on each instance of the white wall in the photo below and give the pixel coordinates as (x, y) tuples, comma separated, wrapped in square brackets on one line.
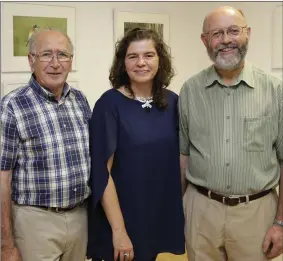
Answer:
[(94, 38)]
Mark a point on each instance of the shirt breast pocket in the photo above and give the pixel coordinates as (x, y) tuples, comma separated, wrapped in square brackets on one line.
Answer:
[(256, 133), (32, 137)]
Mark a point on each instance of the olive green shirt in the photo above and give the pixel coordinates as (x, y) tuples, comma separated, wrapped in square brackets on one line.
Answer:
[(233, 135)]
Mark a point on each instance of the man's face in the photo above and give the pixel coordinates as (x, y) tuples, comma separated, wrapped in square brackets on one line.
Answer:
[(51, 74), (226, 39)]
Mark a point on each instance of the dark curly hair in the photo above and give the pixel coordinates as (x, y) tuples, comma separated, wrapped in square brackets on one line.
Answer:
[(119, 77)]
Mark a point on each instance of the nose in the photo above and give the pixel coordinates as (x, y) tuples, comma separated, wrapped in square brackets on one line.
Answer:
[(140, 61), (226, 38), (54, 62)]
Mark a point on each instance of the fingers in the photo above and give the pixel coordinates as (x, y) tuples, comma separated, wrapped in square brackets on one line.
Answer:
[(116, 254), (124, 255), (131, 257), (275, 251), (266, 243)]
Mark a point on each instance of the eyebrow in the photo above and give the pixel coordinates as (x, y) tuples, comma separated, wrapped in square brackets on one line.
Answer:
[(216, 29), (50, 50), (150, 52)]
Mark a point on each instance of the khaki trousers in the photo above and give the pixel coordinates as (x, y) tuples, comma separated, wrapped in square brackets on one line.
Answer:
[(43, 235), (216, 232)]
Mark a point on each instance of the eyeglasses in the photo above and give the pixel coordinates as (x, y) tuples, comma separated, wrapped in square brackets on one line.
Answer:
[(48, 57), (232, 31)]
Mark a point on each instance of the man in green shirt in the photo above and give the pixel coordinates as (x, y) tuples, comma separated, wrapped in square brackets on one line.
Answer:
[(231, 145)]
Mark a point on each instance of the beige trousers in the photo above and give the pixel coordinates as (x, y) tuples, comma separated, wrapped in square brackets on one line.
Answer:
[(216, 232), (43, 235)]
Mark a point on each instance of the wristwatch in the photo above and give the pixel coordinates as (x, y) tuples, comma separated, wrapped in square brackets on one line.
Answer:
[(278, 222)]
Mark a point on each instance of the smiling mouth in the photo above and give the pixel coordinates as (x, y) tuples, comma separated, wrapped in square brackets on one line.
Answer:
[(141, 72), (54, 73), (227, 50)]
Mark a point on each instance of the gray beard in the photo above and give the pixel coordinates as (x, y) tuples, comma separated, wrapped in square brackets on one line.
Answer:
[(231, 62)]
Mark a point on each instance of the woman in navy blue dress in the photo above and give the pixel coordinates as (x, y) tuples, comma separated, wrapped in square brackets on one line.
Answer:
[(136, 203)]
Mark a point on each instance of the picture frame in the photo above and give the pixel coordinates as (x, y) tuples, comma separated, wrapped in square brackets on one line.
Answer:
[(9, 85), (11, 11), (277, 36), (121, 18)]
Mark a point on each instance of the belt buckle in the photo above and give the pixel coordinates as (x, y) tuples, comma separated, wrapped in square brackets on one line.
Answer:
[(231, 203)]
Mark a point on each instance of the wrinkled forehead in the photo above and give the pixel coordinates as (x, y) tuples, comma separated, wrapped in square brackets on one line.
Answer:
[(52, 41), (223, 19)]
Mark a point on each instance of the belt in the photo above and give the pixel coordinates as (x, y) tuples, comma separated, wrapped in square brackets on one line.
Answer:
[(56, 209), (62, 210), (232, 200)]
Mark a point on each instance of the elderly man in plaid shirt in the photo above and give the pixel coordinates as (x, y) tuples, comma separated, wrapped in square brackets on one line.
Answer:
[(45, 159)]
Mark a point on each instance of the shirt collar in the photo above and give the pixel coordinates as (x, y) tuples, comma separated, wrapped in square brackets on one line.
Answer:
[(46, 93), (245, 76)]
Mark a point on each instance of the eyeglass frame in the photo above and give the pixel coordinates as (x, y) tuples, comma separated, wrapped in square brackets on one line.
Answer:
[(70, 56), (225, 31)]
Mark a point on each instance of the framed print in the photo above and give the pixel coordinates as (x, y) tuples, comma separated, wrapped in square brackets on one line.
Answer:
[(20, 20), (277, 35), (124, 21)]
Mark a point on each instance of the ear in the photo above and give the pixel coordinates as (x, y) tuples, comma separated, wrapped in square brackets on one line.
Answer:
[(249, 32), (71, 65), (204, 39), (31, 61)]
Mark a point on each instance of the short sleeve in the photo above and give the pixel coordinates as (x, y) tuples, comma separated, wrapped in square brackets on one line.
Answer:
[(9, 136), (279, 141), (183, 121), (103, 143)]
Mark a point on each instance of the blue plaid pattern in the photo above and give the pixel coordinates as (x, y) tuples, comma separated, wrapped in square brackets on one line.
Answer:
[(46, 144)]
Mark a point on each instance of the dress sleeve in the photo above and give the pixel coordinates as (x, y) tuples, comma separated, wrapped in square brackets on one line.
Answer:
[(103, 143)]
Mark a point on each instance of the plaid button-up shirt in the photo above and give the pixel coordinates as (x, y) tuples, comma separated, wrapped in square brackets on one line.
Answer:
[(46, 145)]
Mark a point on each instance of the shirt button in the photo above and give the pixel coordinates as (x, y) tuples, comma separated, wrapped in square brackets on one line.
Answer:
[(228, 187), (228, 93), (70, 147), (75, 189), (227, 164), (227, 140), (65, 125), (228, 117)]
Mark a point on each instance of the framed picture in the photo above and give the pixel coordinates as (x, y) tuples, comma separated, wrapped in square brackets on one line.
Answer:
[(124, 21), (20, 20), (277, 36), (10, 85)]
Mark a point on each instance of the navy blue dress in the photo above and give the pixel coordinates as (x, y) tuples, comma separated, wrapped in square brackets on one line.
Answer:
[(146, 173)]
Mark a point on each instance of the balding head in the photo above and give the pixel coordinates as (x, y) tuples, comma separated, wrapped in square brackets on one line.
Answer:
[(42, 33), (221, 15)]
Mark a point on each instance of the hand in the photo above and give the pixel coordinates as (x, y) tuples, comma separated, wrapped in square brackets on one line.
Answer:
[(273, 242), (10, 254), (122, 245)]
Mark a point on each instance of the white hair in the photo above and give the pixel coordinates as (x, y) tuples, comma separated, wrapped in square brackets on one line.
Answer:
[(32, 40)]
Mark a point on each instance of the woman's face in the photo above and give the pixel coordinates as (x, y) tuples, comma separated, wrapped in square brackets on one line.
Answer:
[(141, 61)]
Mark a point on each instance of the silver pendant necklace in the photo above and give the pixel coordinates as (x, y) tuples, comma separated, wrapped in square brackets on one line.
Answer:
[(146, 102)]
